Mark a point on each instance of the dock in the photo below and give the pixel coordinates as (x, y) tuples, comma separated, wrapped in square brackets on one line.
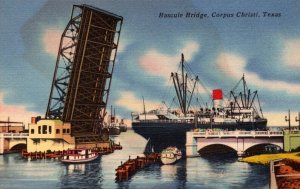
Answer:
[(58, 154)]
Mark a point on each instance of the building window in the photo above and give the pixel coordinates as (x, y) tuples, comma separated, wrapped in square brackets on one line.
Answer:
[(32, 131), (64, 130), (39, 129), (68, 130), (44, 129), (50, 129), (57, 131)]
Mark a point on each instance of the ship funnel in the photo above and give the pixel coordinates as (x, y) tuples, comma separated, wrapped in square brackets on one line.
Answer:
[(217, 96)]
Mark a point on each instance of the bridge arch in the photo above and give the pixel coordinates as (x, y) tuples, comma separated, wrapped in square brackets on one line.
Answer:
[(216, 149), (263, 148), (17, 144), (18, 147)]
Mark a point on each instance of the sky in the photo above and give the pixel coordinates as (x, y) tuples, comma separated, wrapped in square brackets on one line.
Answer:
[(219, 48)]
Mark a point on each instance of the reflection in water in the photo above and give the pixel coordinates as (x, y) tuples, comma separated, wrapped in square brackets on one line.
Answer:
[(75, 169), (226, 171), (81, 175), (175, 174)]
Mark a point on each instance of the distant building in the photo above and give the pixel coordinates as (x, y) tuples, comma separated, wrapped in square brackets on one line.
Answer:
[(11, 127)]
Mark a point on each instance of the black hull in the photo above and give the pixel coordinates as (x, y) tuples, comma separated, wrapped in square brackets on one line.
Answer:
[(123, 128), (165, 134), (114, 131)]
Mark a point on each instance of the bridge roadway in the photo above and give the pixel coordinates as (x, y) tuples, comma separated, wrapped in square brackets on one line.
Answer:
[(240, 141), (9, 140)]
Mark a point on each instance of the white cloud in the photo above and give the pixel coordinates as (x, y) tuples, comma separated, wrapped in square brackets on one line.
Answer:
[(290, 53), (17, 113), (234, 66), (123, 43), (189, 50), (51, 40), (156, 63), (159, 64), (129, 101), (231, 64)]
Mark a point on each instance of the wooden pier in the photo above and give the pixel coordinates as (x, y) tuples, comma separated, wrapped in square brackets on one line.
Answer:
[(131, 166), (58, 154), (42, 155)]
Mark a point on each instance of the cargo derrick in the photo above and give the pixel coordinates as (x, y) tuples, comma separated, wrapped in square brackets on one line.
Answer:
[(83, 72)]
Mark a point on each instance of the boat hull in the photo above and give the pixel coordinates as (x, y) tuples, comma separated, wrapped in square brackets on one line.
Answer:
[(80, 160), (123, 128), (168, 161), (114, 131)]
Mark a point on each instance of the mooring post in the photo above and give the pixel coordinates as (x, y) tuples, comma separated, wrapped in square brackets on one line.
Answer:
[(289, 120), (297, 119)]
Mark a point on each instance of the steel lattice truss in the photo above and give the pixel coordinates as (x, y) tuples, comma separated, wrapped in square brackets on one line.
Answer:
[(84, 69)]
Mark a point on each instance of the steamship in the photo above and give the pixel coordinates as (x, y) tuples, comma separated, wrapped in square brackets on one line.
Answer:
[(167, 127)]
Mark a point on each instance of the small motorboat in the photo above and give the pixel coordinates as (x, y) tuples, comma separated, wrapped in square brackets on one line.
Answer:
[(80, 155), (170, 155)]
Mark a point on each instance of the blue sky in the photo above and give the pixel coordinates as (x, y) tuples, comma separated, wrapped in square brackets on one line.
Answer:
[(218, 50)]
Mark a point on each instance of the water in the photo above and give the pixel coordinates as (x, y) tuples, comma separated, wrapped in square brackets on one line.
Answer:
[(212, 173)]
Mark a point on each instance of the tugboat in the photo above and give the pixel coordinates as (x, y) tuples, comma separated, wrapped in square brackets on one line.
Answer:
[(240, 109), (170, 155), (80, 155)]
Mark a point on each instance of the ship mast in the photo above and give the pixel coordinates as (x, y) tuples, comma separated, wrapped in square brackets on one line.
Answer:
[(184, 78), (244, 85), (144, 107), (181, 88), (245, 99)]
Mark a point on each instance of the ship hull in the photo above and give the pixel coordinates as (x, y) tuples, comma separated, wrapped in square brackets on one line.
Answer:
[(164, 134)]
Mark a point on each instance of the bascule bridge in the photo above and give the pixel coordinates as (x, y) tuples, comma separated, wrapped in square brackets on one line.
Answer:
[(83, 72)]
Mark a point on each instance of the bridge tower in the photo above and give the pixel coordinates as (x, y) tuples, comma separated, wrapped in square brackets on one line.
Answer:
[(84, 69)]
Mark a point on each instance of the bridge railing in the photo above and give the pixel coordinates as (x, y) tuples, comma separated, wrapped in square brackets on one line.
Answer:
[(292, 131), (14, 135), (210, 133)]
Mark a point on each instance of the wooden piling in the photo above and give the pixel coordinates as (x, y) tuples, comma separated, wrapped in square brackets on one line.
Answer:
[(131, 166)]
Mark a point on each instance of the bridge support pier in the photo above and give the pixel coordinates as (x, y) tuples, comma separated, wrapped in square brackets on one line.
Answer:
[(240, 153), (291, 140), (191, 145)]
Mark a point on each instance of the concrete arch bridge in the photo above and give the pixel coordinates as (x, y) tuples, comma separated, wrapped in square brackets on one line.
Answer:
[(11, 141), (239, 141)]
